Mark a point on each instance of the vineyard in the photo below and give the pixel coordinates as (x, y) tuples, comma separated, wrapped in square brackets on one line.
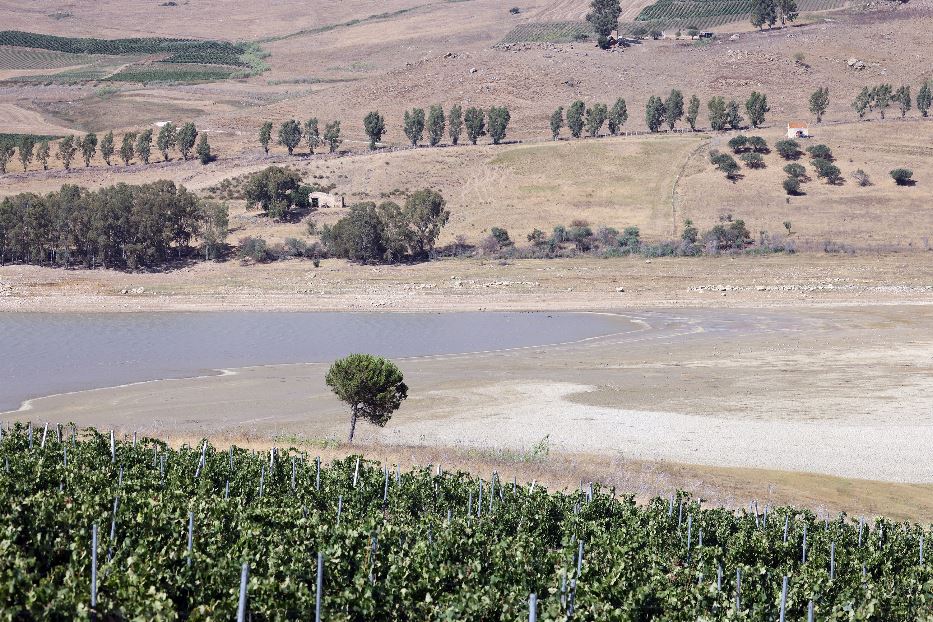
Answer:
[(186, 60), (549, 32), (133, 529), (704, 14)]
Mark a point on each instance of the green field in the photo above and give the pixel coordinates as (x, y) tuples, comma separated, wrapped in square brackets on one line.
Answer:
[(704, 14), (549, 32), (158, 533), (167, 60)]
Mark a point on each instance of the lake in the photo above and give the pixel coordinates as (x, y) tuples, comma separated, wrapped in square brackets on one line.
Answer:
[(45, 354)]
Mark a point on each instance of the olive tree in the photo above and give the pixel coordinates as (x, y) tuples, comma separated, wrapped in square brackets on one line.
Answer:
[(373, 388)]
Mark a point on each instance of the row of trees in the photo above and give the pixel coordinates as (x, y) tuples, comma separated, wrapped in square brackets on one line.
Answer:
[(388, 232), (291, 133), (132, 145), (658, 112), (882, 96), (120, 226)]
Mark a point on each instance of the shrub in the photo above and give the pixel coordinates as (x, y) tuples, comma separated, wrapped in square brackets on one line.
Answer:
[(725, 163), (515, 10), (559, 236), (902, 176), (795, 170), (631, 238), (821, 152), (827, 170), (792, 186), (251, 248), (537, 237), (758, 144), (728, 235), (861, 178), (753, 160), (738, 143), (788, 149), (501, 237)]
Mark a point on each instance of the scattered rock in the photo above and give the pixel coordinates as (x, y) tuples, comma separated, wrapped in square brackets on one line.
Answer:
[(473, 70), (620, 289)]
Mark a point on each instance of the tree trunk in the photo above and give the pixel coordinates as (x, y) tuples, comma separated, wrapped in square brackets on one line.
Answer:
[(352, 425)]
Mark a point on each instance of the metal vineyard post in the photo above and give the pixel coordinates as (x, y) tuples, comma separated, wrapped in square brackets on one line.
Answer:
[(320, 587), (783, 598), (738, 589), (533, 608), (190, 536), (94, 566), (241, 607)]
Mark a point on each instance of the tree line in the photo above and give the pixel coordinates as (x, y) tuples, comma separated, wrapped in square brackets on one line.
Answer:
[(122, 226), (133, 145), (475, 122), (659, 111)]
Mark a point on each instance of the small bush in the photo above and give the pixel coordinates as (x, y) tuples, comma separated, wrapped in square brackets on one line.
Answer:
[(861, 178), (792, 186), (738, 143), (501, 237), (758, 144), (753, 160), (515, 10), (250, 248), (788, 149), (795, 170), (902, 176), (821, 152), (827, 170)]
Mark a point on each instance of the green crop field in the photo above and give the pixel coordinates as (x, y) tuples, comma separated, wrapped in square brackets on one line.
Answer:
[(132, 529), (172, 72), (16, 58), (705, 14), (549, 32), (168, 60)]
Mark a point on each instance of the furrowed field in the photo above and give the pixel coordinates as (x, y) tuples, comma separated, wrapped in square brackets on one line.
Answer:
[(175, 528)]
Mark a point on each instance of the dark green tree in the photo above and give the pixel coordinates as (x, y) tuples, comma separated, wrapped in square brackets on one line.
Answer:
[(127, 149), (204, 150), (693, 112), (557, 122), (265, 135), (902, 176), (819, 102), (862, 102), (604, 18), (107, 147), (414, 125), (788, 11), (881, 97), (717, 114), (144, 145), (595, 117), (425, 214), (475, 120), (436, 124), (763, 12), (725, 163), (168, 136), (903, 99), (499, 118), (924, 99), (618, 115), (42, 154), (332, 136), (654, 113), (273, 190), (575, 118), (756, 106), (455, 124), (733, 116), (88, 146), (359, 236), (312, 134), (7, 151), (26, 146), (290, 135), (67, 148), (373, 388), (187, 137), (674, 108), (375, 126), (788, 149), (215, 226)]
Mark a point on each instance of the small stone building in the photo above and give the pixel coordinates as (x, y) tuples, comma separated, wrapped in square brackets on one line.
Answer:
[(798, 129), (325, 199)]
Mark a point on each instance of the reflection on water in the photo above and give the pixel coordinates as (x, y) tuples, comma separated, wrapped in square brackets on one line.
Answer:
[(42, 354)]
